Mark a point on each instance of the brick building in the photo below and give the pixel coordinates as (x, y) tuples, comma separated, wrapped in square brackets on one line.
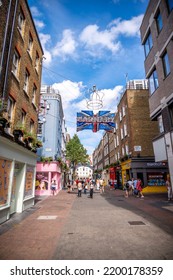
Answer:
[(20, 79), (132, 139), (157, 38)]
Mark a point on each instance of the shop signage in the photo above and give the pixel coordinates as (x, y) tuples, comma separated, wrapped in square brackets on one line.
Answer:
[(137, 148), (156, 164), (102, 120)]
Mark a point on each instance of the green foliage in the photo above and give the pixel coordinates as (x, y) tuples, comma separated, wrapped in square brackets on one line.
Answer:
[(76, 152)]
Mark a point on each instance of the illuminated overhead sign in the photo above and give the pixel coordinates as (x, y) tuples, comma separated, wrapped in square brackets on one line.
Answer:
[(102, 120)]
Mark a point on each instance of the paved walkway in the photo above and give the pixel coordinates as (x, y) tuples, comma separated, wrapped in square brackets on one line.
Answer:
[(109, 227)]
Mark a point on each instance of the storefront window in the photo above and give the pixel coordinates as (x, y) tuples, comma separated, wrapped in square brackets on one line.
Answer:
[(5, 170), (29, 181), (41, 181), (156, 179)]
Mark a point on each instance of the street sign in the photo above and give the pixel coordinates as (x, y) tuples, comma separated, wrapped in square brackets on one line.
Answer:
[(95, 122)]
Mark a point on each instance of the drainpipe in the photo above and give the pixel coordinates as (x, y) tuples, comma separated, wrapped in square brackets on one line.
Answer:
[(5, 37), (9, 49)]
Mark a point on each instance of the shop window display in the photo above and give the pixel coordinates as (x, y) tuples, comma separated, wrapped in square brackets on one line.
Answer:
[(29, 181), (5, 170), (156, 179), (41, 181)]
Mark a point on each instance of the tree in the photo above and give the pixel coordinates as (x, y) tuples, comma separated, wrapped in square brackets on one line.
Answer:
[(76, 153)]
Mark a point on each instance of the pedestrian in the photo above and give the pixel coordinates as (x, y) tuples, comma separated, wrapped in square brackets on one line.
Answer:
[(169, 188), (98, 184), (101, 186), (68, 186), (85, 187), (135, 191), (126, 188), (53, 187), (79, 186), (139, 188), (91, 190)]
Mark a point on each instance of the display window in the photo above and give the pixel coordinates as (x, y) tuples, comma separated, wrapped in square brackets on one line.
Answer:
[(41, 181), (29, 181), (156, 179), (5, 171)]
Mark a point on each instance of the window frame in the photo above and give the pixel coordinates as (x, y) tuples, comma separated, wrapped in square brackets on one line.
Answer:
[(21, 22), (159, 21), (26, 81), (166, 64), (148, 40), (155, 85), (160, 123), (169, 5), (16, 63)]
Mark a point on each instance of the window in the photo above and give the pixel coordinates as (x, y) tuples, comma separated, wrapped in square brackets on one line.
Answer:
[(34, 91), (30, 44), (170, 5), (127, 149), (171, 113), (159, 22), (153, 82), (26, 81), (122, 133), (125, 130), (15, 65), (160, 123), (10, 110), (117, 141), (37, 62), (166, 65), (124, 111), (120, 115), (23, 117), (148, 44), (21, 20), (31, 126)]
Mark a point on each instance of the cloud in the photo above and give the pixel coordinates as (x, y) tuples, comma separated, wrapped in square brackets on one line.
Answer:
[(111, 97), (91, 37), (39, 24), (97, 41), (67, 46), (126, 27), (35, 12), (45, 39), (69, 90)]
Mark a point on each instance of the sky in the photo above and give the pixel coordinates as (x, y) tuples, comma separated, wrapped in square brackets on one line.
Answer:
[(87, 43)]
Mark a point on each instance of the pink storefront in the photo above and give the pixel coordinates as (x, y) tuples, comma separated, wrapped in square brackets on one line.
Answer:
[(45, 174)]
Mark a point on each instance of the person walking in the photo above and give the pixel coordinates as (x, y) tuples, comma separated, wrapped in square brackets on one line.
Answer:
[(91, 190), (53, 187), (169, 188), (101, 186), (79, 186), (139, 188)]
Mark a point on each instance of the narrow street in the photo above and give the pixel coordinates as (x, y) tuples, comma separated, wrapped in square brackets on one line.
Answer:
[(109, 227)]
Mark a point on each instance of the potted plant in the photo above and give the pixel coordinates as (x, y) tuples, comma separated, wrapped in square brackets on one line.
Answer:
[(19, 130), (38, 143)]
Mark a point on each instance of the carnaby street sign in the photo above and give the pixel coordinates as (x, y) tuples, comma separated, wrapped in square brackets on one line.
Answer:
[(102, 120)]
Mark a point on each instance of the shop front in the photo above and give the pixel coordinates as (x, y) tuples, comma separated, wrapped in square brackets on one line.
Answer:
[(153, 174), (115, 178), (17, 178), (46, 173)]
